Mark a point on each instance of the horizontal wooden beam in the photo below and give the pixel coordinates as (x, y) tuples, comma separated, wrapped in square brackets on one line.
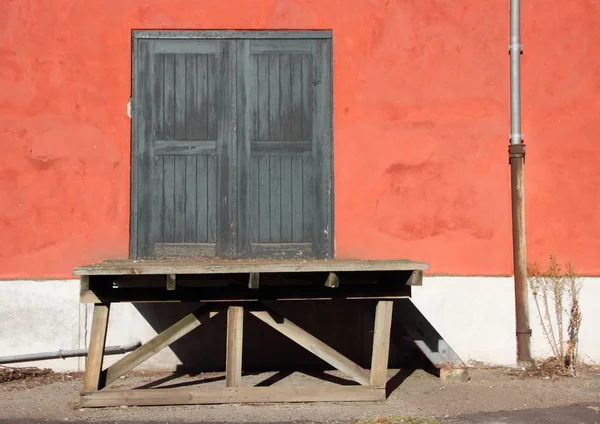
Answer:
[(162, 340), (153, 289), (313, 345), (222, 395)]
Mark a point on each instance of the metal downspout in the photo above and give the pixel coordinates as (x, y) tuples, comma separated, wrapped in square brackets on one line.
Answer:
[(61, 354), (517, 160)]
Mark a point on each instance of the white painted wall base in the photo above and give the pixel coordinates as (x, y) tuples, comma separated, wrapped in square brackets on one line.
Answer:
[(474, 314)]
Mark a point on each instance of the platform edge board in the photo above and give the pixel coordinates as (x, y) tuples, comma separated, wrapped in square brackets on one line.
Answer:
[(223, 395), (202, 266)]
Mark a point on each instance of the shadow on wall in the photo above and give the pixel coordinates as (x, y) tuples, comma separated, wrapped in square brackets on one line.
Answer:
[(345, 326)]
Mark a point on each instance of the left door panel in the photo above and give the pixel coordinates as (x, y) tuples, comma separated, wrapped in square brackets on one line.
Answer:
[(182, 109)]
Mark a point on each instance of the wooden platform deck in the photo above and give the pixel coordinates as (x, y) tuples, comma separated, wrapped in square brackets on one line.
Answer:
[(244, 266), (240, 288)]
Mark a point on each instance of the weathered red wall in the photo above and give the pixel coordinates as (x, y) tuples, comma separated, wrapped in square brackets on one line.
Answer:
[(421, 126)]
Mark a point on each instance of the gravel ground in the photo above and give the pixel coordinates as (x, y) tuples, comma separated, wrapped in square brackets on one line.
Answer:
[(490, 395)]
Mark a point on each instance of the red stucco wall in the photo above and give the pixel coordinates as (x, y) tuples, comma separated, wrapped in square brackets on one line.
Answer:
[(421, 126)]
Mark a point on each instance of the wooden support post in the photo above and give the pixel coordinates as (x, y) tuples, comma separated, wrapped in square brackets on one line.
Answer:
[(162, 340), (314, 345), (253, 281), (235, 335), (92, 379), (381, 342), (171, 282)]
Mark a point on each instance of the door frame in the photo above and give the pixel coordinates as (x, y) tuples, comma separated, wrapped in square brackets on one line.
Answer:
[(137, 35)]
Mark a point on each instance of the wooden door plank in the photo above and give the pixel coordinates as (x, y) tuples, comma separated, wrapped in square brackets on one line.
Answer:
[(92, 379), (223, 395), (235, 335), (313, 345), (381, 342), (159, 342)]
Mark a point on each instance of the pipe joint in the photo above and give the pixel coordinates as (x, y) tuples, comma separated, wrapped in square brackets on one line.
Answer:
[(516, 46), (516, 151)]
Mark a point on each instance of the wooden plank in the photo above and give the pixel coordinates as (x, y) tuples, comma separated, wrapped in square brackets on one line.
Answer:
[(202, 199), (180, 84), (203, 82), (274, 104), (322, 149), (183, 47), (213, 199), (142, 132), (185, 147), (184, 250), (245, 172), (191, 98), (281, 147), (307, 97), (262, 73), (282, 250), (92, 379), (286, 199), (275, 47), (191, 218), (285, 83), (169, 97), (296, 100), (313, 345), (297, 200), (169, 199), (235, 336), (264, 196), (180, 200), (253, 200), (225, 266), (308, 199), (159, 342), (275, 199), (212, 78), (223, 395), (381, 343), (229, 34)]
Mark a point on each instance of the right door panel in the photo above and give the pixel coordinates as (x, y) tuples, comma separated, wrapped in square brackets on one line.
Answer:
[(284, 144)]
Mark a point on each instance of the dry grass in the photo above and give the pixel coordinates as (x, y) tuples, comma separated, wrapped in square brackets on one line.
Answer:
[(548, 369), (555, 290), (27, 377)]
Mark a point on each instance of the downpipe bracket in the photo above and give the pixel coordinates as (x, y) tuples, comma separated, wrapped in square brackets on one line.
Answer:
[(518, 47), (516, 151)]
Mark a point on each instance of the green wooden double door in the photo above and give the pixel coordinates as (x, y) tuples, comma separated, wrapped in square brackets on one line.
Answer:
[(232, 145)]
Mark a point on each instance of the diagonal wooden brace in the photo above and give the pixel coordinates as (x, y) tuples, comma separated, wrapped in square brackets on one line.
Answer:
[(312, 344), (162, 340)]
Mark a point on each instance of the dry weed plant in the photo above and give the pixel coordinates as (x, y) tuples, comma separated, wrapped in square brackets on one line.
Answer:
[(555, 290)]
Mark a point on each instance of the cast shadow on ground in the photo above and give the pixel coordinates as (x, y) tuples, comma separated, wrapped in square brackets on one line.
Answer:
[(345, 326)]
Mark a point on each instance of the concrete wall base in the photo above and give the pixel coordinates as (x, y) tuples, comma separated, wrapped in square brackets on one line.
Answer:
[(474, 314)]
